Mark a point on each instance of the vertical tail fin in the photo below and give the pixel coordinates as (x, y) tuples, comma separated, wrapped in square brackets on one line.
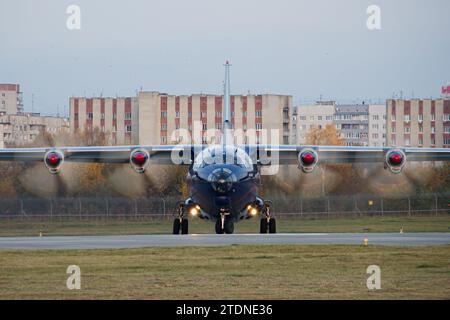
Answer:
[(227, 136)]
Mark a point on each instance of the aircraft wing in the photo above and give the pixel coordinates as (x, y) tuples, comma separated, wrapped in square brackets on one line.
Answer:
[(160, 154), (346, 154), (304, 156)]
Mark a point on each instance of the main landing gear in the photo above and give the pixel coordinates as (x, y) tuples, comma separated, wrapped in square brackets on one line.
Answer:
[(224, 224), (267, 223), (181, 223)]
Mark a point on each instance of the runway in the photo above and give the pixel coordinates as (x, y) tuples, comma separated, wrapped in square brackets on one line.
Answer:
[(138, 241)]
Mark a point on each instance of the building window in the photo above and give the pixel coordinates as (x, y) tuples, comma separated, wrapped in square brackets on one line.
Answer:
[(447, 142), (204, 126), (258, 113), (177, 114), (114, 116), (128, 116), (190, 114), (163, 139), (393, 129), (433, 129), (433, 117), (128, 128), (407, 142), (177, 126), (203, 114), (407, 117), (102, 116), (218, 114), (446, 129), (420, 142), (420, 117), (375, 117), (329, 118), (407, 129), (433, 141), (303, 118), (164, 114), (163, 126), (420, 128), (446, 117), (319, 118), (90, 115), (76, 116), (258, 126), (375, 126), (393, 117)]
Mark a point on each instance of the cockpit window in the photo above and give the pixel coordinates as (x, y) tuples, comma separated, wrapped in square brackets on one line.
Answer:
[(223, 155)]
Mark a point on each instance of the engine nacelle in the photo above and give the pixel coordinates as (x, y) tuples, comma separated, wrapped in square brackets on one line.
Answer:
[(53, 160), (395, 160), (307, 160), (139, 160)]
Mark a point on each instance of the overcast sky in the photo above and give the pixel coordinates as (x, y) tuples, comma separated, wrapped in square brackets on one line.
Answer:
[(303, 48)]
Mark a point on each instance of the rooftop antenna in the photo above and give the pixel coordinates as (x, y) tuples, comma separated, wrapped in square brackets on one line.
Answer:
[(32, 102)]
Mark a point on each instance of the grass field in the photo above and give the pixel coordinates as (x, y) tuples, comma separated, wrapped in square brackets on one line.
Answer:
[(231, 272), (160, 226)]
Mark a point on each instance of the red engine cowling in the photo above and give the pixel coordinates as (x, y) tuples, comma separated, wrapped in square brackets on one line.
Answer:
[(139, 160), (53, 160), (395, 160), (307, 160)]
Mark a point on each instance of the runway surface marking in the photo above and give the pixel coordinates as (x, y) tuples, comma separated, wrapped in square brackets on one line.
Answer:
[(138, 241)]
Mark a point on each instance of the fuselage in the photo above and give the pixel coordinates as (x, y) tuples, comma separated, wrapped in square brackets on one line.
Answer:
[(223, 181)]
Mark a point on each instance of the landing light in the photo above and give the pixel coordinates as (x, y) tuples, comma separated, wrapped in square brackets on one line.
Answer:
[(195, 210), (252, 210)]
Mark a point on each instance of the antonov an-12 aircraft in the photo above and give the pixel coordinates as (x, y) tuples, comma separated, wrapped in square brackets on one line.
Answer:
[(224, 178)]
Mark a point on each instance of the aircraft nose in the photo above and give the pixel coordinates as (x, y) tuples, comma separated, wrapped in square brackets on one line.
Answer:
[(222, 182)]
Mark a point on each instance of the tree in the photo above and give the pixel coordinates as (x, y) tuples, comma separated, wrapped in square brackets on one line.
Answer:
[(328, 136)]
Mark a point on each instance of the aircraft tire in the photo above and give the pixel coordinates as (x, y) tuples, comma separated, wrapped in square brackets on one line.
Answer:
[(176, 226), (272, 225), (184, 226), (229, 226), (219, 229), (263, 225)]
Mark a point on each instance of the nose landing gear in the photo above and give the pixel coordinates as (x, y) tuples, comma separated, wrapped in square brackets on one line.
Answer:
[(267, 223), (224, 224), (180, 223)]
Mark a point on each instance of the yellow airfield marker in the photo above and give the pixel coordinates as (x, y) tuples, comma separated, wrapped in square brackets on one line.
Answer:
[(366, 241)]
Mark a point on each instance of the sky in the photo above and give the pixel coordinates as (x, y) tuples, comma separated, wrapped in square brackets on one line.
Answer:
[(307, 49)]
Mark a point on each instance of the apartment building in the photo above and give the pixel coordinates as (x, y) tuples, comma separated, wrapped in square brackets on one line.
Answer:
[(116, 116), (418, 122), (158, 118), (313, 116), (23, 128), (10, 98)]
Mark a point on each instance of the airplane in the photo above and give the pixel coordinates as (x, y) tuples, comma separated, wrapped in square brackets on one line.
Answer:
[(224, 178)]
